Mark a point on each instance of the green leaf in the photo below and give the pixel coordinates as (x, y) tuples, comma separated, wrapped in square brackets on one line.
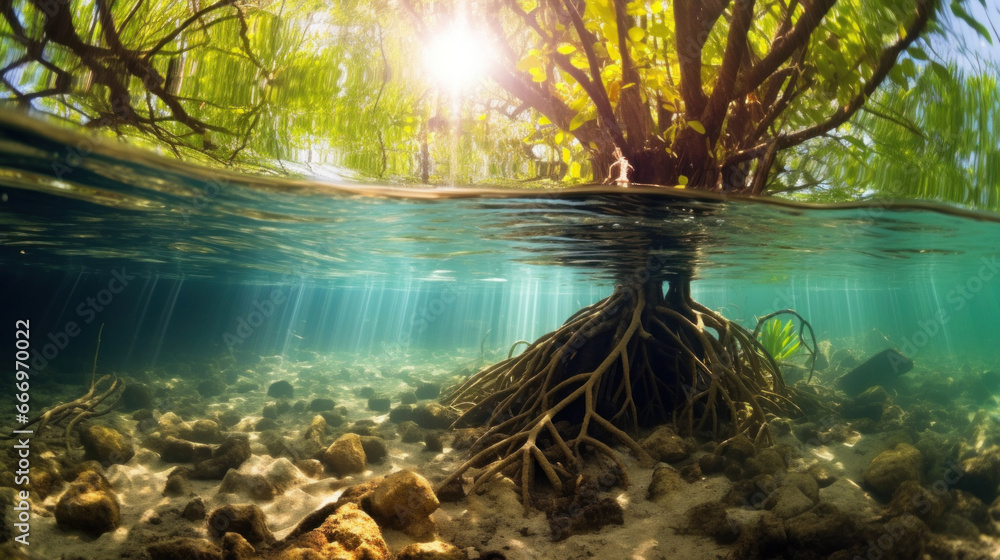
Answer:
[(779, 339), (577, 121), (918, 53), (959, 11), (697, 126), (526, 63), (897, 77), (855, 142), (941, 71), (659, 31)]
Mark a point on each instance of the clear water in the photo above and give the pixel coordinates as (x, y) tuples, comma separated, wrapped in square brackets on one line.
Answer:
[(377, 270)]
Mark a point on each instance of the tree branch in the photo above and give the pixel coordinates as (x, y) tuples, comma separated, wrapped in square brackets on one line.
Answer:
[(784, 46), (908, 126), (693, 21), (634, 113), (166, 40), (595, 87), (887, 60), (736, 51), (778, 106)]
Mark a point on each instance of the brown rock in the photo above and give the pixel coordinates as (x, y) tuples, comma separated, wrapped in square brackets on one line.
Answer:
[(868, 404), (766, 461), (310, 467), (737, 448), (317, 429), (230, 455), (403, 499), (202, 431), (824, 528), (89, 504), (891, 468), (666, 481), (912, 498), (804, 482), (176, 450), (178, 482), (586, 510), (981, 474), (106, 445), (711, 520), (433, 416), (376, 451), (253, 486), (284, 475), (194, 510), (345, 456), (665, 445), (248, 520), (436, 550), (712, 463), (235, 547), (787, 502), (349, 534), (454, 491)]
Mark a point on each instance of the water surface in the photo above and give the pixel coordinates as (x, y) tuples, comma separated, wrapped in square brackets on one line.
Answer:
[(362, 266)]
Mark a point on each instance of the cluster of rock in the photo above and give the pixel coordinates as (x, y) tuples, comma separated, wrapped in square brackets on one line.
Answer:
[(350, 528), (204, 450), (934, 486), (933, 504)]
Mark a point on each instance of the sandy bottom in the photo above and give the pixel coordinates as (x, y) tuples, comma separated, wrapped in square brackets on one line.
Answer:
[(491, 521)]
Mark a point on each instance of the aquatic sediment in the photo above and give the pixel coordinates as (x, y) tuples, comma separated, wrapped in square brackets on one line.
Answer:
[(905, 473)]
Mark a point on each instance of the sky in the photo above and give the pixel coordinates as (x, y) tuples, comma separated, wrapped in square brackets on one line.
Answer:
[(969, 49)]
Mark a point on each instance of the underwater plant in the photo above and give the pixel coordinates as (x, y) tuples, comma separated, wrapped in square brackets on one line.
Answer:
[(779, 339)]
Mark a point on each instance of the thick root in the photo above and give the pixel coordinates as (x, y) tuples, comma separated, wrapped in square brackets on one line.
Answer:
[(632, 360), (82, 408)]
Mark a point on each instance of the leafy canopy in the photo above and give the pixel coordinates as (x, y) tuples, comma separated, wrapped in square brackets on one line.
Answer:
[(697, 93), (705, 94)]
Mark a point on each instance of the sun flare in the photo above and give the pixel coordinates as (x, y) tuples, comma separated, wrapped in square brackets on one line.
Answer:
[(457, 57)]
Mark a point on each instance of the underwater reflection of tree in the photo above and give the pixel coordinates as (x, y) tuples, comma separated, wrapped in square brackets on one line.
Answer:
[(635, 359)]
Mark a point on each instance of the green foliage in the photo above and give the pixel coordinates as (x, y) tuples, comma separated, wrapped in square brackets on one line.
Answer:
[(781, 340), (932, 133), (333, 90), (338, 90), (937, 140), (684, 87)]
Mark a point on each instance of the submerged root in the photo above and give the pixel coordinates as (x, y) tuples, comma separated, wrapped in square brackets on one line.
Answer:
[(105, 390), (632, 360)]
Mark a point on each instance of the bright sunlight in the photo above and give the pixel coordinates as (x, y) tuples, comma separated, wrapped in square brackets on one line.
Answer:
[(457, 57)]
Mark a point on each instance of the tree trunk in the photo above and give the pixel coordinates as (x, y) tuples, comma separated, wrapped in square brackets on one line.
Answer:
[(655, 166)]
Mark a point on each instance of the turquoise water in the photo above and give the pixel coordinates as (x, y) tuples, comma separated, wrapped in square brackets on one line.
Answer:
[(370, 269)]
